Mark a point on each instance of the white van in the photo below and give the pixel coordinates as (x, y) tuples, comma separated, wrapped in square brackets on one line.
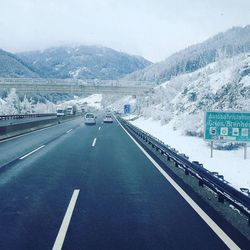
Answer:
[(90, 118), (60, 112)]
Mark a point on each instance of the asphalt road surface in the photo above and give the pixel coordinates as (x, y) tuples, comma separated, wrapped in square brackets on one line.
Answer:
[(91, 187)]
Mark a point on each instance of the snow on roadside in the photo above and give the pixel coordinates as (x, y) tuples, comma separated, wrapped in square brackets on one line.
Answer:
[(231, 164), (130, 117), (93, 101)]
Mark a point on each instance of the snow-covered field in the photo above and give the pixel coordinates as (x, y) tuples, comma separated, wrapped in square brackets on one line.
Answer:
[(93, 101), (231, 164)]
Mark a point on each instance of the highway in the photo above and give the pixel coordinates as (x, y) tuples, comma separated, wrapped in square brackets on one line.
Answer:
[(91, 187)]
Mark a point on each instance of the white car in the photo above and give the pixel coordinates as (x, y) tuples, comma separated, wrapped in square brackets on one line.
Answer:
[(108, 119), (90, 118)]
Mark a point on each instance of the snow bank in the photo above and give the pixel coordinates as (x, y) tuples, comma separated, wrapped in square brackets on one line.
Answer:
[(93, 101), (231, 164)]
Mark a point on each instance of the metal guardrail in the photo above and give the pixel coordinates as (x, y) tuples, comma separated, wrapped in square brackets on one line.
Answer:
[(212, 180), (14, 117)]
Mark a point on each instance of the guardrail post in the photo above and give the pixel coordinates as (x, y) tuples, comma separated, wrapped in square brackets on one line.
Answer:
[(220, 198), (245, 151), (211, 149), (200, 183)]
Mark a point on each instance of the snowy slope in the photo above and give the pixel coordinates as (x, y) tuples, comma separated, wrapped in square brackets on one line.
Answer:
[(13, 104), (229, 43), (222, 85), (12, 66), (93, 101), (83, 62), (174, 113)]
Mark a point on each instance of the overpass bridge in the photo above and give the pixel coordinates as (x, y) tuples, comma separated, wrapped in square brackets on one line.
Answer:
[(70, 86)]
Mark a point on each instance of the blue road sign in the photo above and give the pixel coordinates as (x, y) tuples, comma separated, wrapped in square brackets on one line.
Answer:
[(227, 126), (126, 108)]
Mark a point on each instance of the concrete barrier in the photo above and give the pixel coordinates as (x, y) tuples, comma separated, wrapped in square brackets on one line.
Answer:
[(23, 128)]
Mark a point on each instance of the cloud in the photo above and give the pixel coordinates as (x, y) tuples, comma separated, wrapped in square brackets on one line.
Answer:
[(151, 28)]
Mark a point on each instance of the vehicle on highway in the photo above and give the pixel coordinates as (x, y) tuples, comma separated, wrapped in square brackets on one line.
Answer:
[(71, 110), (60, 112), (108, 118), (90, 119)]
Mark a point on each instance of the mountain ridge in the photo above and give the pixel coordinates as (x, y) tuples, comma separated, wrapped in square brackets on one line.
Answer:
[(228, 44), (83, 62), (12, 66)]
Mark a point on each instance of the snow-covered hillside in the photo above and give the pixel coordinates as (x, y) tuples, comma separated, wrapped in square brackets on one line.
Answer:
[(83, 62), (91, 101), (229, 43), (13, 104), (12, 66), (174, 113), (222, 85)]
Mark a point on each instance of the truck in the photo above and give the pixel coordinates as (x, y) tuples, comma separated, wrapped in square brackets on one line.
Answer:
[(71, 110)]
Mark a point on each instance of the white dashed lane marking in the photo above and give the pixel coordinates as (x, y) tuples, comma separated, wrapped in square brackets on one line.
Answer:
[(94, 142), (66, 220), (32, 152)]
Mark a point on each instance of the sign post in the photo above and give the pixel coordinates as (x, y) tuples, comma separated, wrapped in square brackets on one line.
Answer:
[(212, 147), (227, 126)]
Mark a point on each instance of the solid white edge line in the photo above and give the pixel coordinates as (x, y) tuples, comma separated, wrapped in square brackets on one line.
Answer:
[(66, 220), (94, 142), (33, 151), (217, 230), (69, 131)]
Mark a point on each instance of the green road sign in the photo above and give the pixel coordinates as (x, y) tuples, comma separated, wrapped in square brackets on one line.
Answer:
[(227, 126)]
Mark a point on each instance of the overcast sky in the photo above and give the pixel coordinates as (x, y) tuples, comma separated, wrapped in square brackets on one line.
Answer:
[(151, 28)]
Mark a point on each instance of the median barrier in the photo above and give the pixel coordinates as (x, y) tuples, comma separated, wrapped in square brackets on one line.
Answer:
[(23, 128)]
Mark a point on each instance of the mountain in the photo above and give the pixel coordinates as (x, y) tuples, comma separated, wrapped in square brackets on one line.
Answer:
[(227, 44), (12, 66), (83, 62), (181, 101)]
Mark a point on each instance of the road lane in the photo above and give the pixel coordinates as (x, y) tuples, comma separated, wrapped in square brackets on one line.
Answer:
[(124, 203), (16, 147), (35, 192), (127, 204)]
